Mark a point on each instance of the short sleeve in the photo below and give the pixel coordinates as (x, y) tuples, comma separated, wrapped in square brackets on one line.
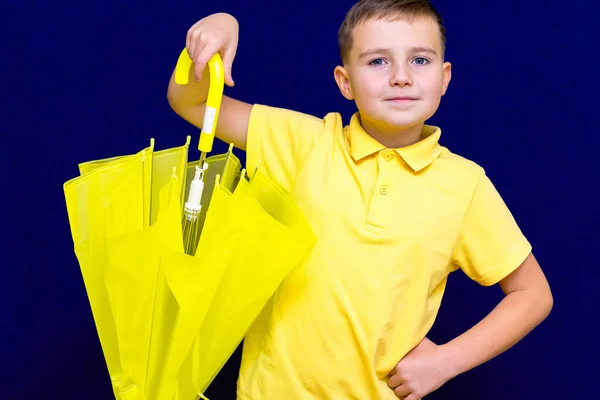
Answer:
[(280, 140), (491, 244)]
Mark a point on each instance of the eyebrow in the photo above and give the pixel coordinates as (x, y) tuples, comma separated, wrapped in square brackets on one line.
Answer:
[(424, 50), (371, 52)]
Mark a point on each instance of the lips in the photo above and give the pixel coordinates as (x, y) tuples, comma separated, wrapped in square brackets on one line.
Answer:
[(402, 98)]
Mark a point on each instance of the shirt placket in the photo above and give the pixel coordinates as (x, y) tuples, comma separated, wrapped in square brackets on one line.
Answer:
[(380, 199)]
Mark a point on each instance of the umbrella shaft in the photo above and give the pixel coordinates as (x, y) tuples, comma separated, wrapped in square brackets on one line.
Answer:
[(191, 236), (202, 158)]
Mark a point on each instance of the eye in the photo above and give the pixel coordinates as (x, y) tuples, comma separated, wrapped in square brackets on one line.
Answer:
[(421, 61), (377, 62)]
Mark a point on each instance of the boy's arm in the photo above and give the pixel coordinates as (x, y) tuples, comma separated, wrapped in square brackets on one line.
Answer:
[(217, 33), (527, 302), (491, 249), (283, 137)]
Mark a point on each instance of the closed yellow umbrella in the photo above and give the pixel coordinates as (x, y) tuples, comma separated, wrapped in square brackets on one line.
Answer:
[(168, 321)]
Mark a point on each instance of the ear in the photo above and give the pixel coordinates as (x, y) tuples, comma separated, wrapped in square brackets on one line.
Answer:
[(446, 76), (341, 77)]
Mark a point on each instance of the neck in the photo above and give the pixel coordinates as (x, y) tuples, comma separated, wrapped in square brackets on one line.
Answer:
[(393, 138)]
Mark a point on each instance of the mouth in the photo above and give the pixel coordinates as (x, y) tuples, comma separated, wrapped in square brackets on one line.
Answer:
[(402, 99)]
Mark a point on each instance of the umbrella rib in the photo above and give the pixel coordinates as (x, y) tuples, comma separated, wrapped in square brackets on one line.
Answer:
[(146, 380)]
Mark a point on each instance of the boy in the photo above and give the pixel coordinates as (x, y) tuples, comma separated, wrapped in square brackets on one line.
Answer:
[(394, 211)]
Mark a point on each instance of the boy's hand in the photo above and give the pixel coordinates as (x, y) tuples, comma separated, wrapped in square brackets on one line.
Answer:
[(217, 33), (423, 370)]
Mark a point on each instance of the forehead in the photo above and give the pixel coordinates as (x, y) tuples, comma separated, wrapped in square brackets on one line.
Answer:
[(396, 34)]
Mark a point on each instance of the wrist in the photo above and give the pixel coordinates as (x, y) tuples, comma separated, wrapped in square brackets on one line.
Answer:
[(452, 360)]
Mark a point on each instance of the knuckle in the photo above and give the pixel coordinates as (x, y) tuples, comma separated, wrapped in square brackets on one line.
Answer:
[(206, 37), (200, 59), (195, 33)]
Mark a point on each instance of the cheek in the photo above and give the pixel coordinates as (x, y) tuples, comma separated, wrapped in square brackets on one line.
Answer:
[(433, 87), (434, 82), (367, 87)]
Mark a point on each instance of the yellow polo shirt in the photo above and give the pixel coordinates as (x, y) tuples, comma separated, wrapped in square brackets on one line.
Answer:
[(391, 225)]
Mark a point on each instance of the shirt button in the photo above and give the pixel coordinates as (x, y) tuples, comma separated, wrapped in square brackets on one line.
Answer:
[(383, 190), (388, 157)]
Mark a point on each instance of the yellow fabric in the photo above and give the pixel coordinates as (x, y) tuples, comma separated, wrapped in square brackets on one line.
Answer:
[(261, 236), (107, 203), (167, 321), (391, 225), (92, 201), (163, 163), (185, 287), (227, 166), (146, 158)]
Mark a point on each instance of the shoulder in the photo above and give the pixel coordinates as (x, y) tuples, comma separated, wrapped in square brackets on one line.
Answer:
[(458, 175), (331, 119), (297, 127), (457, 164)]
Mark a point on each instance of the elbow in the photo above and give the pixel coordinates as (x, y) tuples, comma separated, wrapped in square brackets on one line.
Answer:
[(174, 96), (173, 103), (549, 303), (545, 303), (171, 99)]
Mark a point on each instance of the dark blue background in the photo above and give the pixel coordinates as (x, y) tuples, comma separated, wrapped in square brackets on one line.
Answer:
[(87, 80)]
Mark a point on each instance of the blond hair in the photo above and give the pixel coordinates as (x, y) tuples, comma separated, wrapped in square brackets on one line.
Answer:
[(365, 10)]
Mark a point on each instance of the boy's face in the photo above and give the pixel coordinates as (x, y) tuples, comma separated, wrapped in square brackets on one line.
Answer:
[(395, 73)]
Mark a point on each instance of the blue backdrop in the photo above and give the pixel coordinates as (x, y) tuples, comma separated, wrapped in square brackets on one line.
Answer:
[(87, 80)]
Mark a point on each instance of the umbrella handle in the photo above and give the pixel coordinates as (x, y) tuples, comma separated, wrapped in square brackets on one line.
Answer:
[(215, 94)]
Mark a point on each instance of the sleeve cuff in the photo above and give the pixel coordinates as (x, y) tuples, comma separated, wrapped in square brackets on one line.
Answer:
[(508, 266)]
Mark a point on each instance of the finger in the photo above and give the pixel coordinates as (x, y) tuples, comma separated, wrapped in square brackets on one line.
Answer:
[(190, 40), (402, 391), (228, 58), (197, 44), (412, 396), (395, 381), (204, 54)]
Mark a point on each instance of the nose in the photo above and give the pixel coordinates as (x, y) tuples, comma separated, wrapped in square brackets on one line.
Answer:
[(400, 76)]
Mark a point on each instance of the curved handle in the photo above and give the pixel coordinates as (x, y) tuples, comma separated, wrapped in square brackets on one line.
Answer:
[(215, 94)]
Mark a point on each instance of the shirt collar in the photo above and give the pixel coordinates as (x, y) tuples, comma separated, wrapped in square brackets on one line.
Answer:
[(418, 155)]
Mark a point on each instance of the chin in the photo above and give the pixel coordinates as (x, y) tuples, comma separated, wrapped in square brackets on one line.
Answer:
[(403, 122), (394, 120)]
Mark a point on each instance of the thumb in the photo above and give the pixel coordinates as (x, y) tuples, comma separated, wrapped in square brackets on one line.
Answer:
[(228, 66)]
